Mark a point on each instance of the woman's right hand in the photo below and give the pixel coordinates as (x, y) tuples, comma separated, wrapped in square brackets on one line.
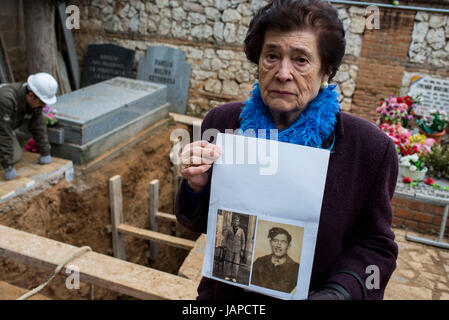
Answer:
[(196, 160)]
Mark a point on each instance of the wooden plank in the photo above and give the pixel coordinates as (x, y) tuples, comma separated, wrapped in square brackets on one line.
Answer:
[(167, 216), (63, 74), (153, 210), (182, 118), (11, 292), (156, 236), (115, 199), (95, 268), (70, 44), (6, 75)]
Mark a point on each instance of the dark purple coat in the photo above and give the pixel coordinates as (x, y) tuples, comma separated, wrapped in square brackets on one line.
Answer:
[(355, 223)]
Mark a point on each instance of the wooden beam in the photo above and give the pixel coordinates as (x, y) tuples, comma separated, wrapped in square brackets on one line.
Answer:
[(182, 118), (116, 204), (167, 216), (95, 268), (156, 236)]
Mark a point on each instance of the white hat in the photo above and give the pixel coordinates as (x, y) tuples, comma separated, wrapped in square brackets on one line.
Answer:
[(44, 86)]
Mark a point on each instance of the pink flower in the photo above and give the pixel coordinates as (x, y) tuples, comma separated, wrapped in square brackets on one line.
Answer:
[(429, 142)]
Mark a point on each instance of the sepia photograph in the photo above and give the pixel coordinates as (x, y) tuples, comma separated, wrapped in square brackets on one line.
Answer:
[(277, 256), (233, 246)]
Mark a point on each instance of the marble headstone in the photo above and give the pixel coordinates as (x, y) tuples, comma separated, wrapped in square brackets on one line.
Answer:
[(434, 93), (166, 65), (106, 61)]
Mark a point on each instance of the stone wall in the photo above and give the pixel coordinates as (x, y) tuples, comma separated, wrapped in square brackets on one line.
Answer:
[(212, 33)]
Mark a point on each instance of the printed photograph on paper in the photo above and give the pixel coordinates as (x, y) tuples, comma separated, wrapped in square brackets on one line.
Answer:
[(234, 241), (277, 254)]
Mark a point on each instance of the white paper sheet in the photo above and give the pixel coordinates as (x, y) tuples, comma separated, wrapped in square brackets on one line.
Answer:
[(267, 184)]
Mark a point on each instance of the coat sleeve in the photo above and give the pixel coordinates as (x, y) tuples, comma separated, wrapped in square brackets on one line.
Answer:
[(195, 218), (366, 266), (38, 129), (7, 107)]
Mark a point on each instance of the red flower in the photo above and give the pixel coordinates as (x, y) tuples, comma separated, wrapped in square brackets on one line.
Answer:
[(429, 181), (406, 180), (399, 100)]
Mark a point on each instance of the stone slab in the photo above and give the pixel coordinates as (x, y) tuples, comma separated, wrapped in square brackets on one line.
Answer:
[(31, 175), (88, 113), (82, 154)]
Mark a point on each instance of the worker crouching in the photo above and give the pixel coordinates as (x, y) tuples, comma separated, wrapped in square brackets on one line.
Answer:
[(19, 101)]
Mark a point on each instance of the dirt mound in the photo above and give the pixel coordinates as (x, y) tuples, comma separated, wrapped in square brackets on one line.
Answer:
[(77, 213)]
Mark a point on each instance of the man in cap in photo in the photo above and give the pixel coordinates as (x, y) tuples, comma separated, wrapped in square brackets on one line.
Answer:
[(19, 101), (234, 241)]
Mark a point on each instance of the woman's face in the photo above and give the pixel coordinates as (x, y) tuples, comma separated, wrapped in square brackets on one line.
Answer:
[(289, 71)]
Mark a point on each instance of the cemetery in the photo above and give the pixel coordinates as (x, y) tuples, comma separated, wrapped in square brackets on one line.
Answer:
[(136, 71)]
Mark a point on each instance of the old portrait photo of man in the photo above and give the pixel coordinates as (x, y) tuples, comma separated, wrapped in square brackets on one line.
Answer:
[(233, 247), (277, 270)]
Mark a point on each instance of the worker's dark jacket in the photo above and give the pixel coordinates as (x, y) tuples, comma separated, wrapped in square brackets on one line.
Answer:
[(354, 240), (13, 112)]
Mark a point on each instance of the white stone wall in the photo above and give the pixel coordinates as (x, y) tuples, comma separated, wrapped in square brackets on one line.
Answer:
[(430, 40), (212, 34)]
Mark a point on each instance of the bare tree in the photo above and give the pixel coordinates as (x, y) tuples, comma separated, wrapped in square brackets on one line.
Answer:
[(39, 16)]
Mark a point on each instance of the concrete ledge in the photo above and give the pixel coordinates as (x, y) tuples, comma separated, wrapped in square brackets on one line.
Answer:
[(31, 175)]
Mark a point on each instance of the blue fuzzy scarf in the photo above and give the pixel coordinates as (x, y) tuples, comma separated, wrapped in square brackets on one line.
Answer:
[(311, 128)]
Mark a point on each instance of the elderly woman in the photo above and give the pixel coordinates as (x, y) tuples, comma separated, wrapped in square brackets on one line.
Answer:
[(298, 46)]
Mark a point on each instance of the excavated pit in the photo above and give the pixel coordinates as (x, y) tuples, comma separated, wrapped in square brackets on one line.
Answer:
[(77, 213)]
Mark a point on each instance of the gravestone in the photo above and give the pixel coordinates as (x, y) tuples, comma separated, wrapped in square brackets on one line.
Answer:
[(97, 118), (166, 65), (106, 61), (434, 93)]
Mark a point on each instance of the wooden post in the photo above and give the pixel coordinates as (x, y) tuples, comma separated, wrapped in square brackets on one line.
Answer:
[(196, 130), (153, 209), (176, 178), (115, 199)]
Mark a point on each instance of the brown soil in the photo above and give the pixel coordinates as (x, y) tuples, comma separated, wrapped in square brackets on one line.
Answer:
[(77, 213)]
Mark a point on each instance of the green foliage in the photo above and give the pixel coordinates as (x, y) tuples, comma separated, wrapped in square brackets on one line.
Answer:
[(437, 161)]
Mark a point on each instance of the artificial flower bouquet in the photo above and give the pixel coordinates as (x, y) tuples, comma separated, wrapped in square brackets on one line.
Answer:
[(31, 146), (49, 116), (413, 166), (406, 143), (433, 122), (396, 110)]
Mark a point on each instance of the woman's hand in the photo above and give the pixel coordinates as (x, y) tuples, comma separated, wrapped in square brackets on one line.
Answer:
[(196, 159)]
